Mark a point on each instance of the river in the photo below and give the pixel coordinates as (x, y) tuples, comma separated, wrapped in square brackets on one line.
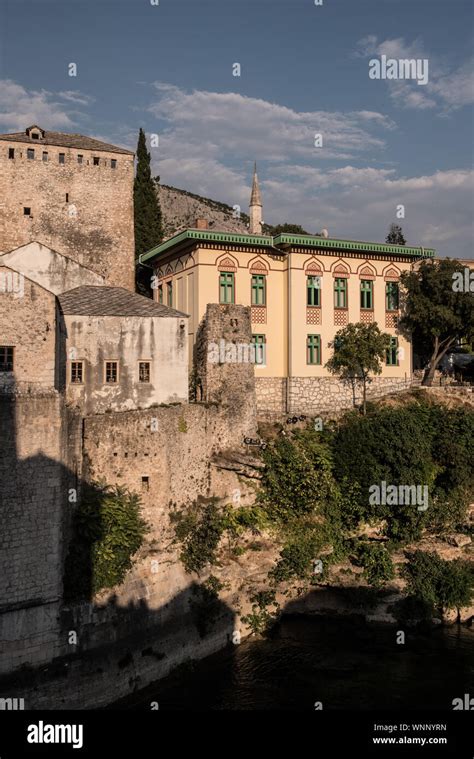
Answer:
[(341, 663)]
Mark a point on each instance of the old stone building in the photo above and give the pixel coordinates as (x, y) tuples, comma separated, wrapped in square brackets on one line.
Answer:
[(71, 193), (301, 290), (105, 347)]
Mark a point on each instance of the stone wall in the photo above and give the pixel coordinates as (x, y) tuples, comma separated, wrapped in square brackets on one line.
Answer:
[(316, 395), (80, 210), (28, 324), (38, 465)]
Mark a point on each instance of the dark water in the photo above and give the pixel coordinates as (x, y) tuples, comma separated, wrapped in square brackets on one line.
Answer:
[(344, 664)]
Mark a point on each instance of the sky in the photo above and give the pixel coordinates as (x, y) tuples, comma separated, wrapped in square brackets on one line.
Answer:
[(169, 66)]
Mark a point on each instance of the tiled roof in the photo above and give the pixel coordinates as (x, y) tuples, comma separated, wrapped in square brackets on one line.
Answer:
[(97, 300), (62, 140)]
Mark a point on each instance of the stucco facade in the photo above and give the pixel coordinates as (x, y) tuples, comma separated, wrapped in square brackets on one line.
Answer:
[(190, 267)]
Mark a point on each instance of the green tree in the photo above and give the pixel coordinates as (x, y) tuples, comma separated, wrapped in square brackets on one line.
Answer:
[(438, 583), (434, 313), (147, 214), (288, 229), (395, 235), (359, 350)]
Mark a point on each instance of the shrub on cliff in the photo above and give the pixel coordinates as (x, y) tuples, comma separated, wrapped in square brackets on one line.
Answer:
[(437, 583), (377, 563), (107, 531), (418, 444)]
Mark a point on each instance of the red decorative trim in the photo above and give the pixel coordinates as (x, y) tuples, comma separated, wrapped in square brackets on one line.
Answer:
[(259, 314), (313, 315)]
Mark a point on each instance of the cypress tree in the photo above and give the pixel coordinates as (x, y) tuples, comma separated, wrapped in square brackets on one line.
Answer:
[(147, 214)]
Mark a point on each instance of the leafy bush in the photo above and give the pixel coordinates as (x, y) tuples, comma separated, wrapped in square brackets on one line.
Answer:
[(107, 531), (199, 529), (377, 563), (438, 583), (419, 444), (261, 619), (205, 605)]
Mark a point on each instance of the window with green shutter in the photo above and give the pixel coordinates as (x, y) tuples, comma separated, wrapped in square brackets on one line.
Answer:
[(340, 293), (259, 344), (391, 296), (226, 287), (169, 293), (259, 295), (160, 293), (313, 291), (313, 349), (366, 294), (392, 352)]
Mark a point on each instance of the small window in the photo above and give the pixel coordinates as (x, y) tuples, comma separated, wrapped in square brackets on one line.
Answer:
[(67, 197), (77, 372), (26, 211), (391, 296), (313, 349), (143, 371), (258, 290), (111, 372), (96, 161), (6, 358), (113, 163), (30, 153), (80, 158), (169, 293), (340, 293), (160, 293), (259, 344), (392, 352), (34, 135), (226, 287), (62, 157), (45, 155), (367, 294), (145, 483), (11, 153), (313, 291)]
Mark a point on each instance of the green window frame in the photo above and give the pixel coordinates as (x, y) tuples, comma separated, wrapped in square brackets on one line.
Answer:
[(160, 294), (392, 296), (313, 349), (226, 287), (340, 292), (259, 344), (259, 290), (367, 294), (313, 291), (392, 352), (169, 293)]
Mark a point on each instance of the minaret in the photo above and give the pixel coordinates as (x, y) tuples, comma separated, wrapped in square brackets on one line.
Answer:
[(255, 206)]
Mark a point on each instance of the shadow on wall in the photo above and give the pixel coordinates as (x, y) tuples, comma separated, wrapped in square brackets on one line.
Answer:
[(86, 653)]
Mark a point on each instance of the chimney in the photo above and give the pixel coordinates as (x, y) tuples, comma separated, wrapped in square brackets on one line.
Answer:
[(202, 224)]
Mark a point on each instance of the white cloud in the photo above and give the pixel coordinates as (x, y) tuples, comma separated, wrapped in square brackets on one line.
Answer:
[(210, 140), (74, 96), (20, 108), (446, 89)]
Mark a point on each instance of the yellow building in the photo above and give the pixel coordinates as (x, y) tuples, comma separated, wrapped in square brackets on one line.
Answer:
[(302, 289)]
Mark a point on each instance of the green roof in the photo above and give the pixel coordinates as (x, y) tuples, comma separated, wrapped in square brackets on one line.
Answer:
[(284, 241)]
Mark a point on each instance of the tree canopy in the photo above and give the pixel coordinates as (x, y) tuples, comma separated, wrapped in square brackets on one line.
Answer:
[(395, 235), (434, 310)]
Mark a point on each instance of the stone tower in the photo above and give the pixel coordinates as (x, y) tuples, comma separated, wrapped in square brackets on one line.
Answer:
[(73, 194), (255, 206)]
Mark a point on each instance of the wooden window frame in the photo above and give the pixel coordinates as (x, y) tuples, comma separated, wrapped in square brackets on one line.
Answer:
[(226, 285), (313, 346), (111, 361), (388, 295), (256, 343), (392, 351), (6, 348), (258, 287), (148, 362), (366, 289), (71, 381), (338, 290), (311, 289)]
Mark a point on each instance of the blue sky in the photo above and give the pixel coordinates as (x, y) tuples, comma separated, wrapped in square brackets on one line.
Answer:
[(304, 70)]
